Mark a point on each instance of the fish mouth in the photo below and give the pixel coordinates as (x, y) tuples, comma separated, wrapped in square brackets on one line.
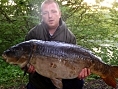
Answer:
[(10, 61), (7, 59), (4, 56)]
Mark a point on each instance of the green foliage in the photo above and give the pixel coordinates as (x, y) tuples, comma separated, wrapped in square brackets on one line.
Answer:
[(15, 21), (11, 75)]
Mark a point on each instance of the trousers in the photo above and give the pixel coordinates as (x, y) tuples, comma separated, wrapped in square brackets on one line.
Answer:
[(78, 84)]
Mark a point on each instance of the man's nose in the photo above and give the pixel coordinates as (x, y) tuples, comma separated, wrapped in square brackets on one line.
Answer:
[(49, 14)]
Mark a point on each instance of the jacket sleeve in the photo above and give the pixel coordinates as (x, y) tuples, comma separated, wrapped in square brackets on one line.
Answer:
[(73, 40), (31, 34), (71, 37)]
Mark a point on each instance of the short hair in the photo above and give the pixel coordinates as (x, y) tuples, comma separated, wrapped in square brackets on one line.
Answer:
[(48, 2)]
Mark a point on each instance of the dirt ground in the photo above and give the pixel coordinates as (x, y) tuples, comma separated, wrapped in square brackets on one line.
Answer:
[(89, 84), (97, 84)]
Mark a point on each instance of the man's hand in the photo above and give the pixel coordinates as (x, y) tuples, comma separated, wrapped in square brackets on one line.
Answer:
[(84, 73), (29, 68)]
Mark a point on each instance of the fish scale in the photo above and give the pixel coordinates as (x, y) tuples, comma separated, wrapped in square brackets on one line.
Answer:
[(60, 51)]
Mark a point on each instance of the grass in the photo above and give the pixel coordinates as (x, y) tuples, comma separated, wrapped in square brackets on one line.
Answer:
[(10, 75)]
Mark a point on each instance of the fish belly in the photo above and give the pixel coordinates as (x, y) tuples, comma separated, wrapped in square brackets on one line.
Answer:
[(56, 68)]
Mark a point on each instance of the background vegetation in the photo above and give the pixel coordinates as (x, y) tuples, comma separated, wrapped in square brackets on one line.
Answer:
[(95, 27)]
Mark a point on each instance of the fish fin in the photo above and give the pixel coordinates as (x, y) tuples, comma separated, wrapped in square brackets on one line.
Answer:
[(110, 80), (57, 82), (114, 71)]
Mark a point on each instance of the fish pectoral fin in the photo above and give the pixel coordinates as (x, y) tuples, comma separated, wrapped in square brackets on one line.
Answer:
[(57, 82), (110, 80)]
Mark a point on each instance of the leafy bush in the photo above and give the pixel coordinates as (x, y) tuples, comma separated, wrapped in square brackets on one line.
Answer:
[(11, 75)]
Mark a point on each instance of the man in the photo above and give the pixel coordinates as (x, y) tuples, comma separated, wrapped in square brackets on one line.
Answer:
[(52, 28)]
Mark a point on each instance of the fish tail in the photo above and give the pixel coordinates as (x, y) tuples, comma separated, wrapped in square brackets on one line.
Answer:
[(114, 70), (111, 75)]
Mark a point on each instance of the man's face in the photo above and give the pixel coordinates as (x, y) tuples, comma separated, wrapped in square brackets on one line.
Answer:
[(51, 14)]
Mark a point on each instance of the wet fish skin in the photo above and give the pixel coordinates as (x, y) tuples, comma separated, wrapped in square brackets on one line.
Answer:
[(58, 60)]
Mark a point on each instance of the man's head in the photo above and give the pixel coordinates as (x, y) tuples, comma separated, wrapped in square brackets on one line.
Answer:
[(50, 13)]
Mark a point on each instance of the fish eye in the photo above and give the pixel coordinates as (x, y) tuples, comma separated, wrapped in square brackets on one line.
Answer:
[(19, 49), (11, 49), (15, 49)]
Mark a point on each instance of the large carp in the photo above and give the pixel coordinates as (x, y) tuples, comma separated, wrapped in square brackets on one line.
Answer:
[(58, 60)]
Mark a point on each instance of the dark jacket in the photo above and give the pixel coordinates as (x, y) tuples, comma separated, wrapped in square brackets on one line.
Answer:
[(62, 34)]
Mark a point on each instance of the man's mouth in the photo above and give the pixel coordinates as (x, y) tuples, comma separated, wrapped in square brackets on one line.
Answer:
[(50, 21)]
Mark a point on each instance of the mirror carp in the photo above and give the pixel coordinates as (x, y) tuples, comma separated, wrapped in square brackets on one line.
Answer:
[(59, 60)]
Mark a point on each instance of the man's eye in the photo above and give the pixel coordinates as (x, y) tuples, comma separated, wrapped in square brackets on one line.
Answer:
[(54, 11), (44, 13)]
